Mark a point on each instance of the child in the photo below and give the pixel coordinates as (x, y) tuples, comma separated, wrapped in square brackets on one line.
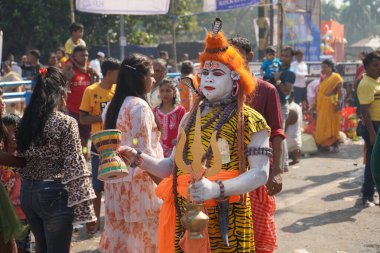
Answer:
[(94, 99), (11, 179), (10, 225), (76, 31), (169, 114), (60, 52), (270, 65), (53, 61)]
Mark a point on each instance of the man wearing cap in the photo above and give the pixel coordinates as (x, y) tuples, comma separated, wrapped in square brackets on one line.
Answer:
[(96, 63)]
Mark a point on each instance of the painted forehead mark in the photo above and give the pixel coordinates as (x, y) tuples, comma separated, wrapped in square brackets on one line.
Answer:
[(211, 65)]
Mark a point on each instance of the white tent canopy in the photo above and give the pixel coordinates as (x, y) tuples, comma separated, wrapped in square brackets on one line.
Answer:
[(153, 7), (372, 42), (124, 7)]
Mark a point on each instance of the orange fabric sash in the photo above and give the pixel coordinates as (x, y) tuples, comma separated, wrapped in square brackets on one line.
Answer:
[(167, 223)]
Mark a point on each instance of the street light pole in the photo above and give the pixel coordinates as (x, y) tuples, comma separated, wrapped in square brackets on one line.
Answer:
[(72, 12), (263, 25), (122, 39), (280, 27), (174, 38), (271, 22)]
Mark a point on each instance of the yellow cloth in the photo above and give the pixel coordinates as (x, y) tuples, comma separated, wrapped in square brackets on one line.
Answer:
[(62, 60), (369, 94), (95, 99), (69, 45), (327, 130), (240, 215)]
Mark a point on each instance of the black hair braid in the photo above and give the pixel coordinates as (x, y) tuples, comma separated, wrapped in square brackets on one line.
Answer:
[(46, 97)]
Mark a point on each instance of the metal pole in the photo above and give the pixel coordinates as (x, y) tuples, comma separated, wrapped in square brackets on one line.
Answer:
[(123, 39), (108, 45), (263, 30), (174, 39), (72, 12), (280, 26), (271, 25)]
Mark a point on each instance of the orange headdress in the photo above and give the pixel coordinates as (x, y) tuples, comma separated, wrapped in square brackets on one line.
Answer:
[(218, 49)]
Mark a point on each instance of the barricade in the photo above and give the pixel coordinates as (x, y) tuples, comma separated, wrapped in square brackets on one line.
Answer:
[(15, 97)]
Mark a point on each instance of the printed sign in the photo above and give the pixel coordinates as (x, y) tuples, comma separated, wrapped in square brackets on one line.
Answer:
[(141, 7), (224, 5)]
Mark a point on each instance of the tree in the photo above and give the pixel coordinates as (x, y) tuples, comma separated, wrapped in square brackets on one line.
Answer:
[(44, 25), (329, 10), (359, 18), (33, 24)]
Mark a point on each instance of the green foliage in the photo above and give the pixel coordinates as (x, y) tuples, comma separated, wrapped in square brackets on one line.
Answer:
[(142, 38), (33, 24), (361, 18), (44, 25), (329, 11)]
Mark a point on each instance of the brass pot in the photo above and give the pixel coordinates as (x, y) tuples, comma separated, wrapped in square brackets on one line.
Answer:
[(194, 220)]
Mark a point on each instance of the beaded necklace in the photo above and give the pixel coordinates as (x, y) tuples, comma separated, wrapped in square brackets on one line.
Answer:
[(225, 113)]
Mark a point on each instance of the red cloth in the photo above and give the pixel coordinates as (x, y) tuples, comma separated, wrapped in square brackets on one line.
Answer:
[(264, 227), (169, 124), (12, 183), (348, 122), (78, 84), (358, 75), (266, 101)]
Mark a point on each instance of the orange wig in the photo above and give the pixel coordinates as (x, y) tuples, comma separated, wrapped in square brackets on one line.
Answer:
[(218, 49)]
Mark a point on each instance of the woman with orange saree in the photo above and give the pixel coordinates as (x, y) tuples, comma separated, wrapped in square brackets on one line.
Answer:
[(329, 99)]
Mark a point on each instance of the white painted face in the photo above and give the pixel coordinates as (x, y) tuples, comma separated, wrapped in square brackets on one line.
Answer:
[(216, 81)]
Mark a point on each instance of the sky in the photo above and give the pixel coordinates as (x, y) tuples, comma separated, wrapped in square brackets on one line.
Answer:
[(338, 3)]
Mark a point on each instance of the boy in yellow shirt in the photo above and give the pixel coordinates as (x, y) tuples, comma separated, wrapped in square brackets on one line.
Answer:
[(76, 31), (94, 100), (369, 98)]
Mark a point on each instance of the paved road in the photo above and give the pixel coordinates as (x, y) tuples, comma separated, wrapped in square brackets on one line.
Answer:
[(318, 211)]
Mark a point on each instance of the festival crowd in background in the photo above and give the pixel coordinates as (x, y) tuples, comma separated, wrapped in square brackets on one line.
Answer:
[(47, 184)]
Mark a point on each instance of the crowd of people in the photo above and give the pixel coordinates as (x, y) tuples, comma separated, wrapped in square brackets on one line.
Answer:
[(256, 124)]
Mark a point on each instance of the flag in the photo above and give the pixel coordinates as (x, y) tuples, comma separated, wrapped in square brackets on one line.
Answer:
[(225, 5), (124, 7)]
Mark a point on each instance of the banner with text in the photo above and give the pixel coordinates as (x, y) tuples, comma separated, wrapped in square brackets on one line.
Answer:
[(225, 5), (124, 7)]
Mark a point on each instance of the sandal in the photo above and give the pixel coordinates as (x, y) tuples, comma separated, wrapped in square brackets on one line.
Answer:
[(334, 150), (92, 228)]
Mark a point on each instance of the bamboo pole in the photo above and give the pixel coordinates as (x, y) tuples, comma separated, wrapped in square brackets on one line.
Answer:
[(280, 28), (263, 25), (174, 38), (72, 11)]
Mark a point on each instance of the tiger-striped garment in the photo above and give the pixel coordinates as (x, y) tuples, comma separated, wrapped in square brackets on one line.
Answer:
[(240, 232)]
